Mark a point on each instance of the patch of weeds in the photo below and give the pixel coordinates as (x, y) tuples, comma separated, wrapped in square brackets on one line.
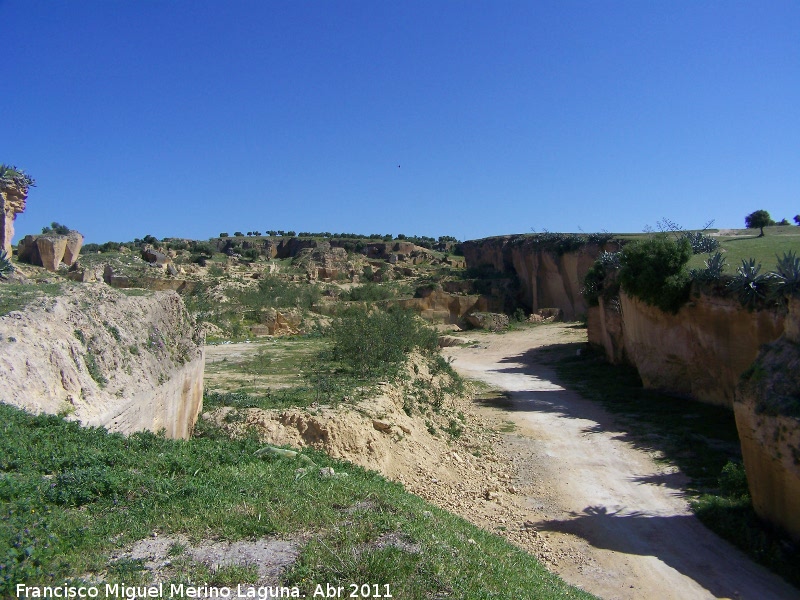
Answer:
[(176, 549), (90, 360), (232, 575), (133, 349), (16, 296), (454, 429), (80, 337), (112, 330)]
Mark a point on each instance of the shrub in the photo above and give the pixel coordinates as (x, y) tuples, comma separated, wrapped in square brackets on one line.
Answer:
[(653, 270), (598, 280), (701, 243), (377, 342), (56, 228), (370, 292)]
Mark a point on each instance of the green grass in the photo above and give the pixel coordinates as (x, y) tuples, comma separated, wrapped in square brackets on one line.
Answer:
[(15, 296), (70, 497), (699, 438), (746, 244)]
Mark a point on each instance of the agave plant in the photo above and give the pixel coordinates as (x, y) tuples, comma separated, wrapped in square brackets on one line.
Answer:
[(787, 274), (749, 283), (6, 268), (713, 271), (11, 175)]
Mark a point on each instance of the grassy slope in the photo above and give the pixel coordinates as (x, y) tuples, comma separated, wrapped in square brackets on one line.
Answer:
[(70, 496)]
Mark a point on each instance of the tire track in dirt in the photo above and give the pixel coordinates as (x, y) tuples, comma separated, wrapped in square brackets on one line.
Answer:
[(616, 519)]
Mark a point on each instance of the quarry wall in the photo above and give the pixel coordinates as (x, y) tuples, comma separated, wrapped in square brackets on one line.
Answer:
[(767, 409), (548, 279), (700, 351), (104, 358)]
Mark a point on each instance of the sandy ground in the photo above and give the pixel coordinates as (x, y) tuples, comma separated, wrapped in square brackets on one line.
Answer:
[(603, 514)]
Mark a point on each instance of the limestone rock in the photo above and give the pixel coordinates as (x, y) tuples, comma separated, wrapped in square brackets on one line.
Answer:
[(51, 250), (547, 279), (490, 321), (137, 363), (701, 351), (73, 249), (154, 257), (767, 409), (12, 202)]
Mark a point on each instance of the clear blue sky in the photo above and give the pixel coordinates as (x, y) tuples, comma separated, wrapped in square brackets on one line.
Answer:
[(188, 118)]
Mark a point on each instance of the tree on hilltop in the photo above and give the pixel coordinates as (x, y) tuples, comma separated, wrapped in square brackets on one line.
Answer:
[(797, 219), (758, 220)]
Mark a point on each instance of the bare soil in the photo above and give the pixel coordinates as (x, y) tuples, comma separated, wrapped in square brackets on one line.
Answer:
[(606, 516), (538, 464)]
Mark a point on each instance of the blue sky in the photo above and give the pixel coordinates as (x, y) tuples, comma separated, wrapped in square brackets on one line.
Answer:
[(189, 118)]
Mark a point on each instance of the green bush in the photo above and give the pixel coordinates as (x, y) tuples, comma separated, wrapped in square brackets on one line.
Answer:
[(370, 292), (273, 292), (376, 342), (56, 228), (599, 279), (654, 270)]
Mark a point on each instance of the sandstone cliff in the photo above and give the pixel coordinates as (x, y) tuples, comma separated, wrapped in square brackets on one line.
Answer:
[(700, 352), (767, 410), (107, 359), (12, 202), (547, 278)]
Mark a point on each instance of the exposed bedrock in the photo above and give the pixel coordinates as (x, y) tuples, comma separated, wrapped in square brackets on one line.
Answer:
[(126, 363), (12, 202), (700, 352), (767, 410), (548, 279)]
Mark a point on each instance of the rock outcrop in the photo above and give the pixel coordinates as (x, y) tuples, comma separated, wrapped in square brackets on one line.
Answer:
[(106, 359), (490, 321), (767, 410), (548, 279), (700, 352), (443, 307), (12, 202), (50, 250)]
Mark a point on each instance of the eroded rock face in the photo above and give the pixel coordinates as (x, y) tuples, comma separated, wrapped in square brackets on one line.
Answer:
[(442, 307), (50, 250), (547, 279), (700, 352), (107, 359), (12, 202), (767, 410)]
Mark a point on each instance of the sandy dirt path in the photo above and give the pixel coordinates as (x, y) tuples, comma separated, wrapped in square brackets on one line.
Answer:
[(615, 521)]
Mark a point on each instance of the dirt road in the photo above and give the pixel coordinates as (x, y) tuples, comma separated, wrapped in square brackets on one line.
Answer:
[(614, 521)]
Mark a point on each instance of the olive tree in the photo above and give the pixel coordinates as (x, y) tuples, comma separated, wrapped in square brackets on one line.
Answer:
[(758, 220)]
